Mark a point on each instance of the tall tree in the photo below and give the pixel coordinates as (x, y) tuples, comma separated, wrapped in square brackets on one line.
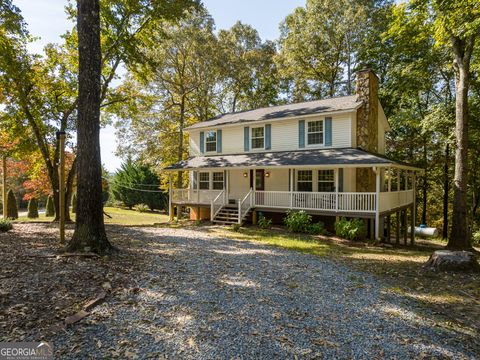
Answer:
[(250, 78), (89, 232), (458, 23), (317, 43)]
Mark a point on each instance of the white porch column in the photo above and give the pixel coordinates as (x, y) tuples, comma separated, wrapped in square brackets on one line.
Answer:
[(389, 179), (414, 208), (377, 204), (336, 188), (292, 186), (197, 184)]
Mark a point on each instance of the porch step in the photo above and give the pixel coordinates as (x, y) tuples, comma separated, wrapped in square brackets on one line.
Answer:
[(228, 215)]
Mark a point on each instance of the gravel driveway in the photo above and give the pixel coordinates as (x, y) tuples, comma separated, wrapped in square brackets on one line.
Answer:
[(196, 296)]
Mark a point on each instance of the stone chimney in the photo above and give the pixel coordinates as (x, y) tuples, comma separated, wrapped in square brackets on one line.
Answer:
[(367, 115), (367, 125)]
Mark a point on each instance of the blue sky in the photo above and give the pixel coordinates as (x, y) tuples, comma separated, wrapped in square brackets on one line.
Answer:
[(47, 20)]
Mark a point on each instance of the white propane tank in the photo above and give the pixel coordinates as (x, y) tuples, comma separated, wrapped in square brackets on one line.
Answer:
[(422, 230)]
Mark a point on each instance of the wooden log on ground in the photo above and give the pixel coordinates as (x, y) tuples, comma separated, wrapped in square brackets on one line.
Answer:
[(447, 260)]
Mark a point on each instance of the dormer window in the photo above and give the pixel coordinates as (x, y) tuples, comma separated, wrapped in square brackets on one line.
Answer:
[(211, 141), (315, 132), (258, 138)]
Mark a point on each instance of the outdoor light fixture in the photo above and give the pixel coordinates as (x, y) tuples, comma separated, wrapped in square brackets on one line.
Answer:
[(267, 174), (245, 174)]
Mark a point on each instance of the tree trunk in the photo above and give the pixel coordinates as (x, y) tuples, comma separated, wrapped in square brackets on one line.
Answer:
[(89, 232), (445, 192), (181, 125), (460, 234), (425, 186)]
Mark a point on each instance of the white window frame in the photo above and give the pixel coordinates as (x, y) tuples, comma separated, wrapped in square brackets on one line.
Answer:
[(316, 132), (325, 181), (251, 138), (200, 173), (211, 142), (312, 174), (213, 180)]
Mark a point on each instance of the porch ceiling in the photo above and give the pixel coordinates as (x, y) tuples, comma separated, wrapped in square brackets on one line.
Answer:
[(319, 157)]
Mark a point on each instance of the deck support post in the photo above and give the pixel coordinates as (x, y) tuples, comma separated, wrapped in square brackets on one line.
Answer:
[(405, 226), (397, 228), (412, 226), (414, 207), (170, 194), (179, 212), (377, 204), (389, 228)]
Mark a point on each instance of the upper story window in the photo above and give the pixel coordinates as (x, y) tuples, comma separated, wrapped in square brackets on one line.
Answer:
[(315, 132), (211, 141), (326, 181), (304, 180), (204, 181), (258, 138)]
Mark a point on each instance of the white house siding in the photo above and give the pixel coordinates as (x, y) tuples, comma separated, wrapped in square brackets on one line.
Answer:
[(194, 143), (238, 184), (277, 181), (341, 131), (381, 137), (349, 180), (232, 140), (284, 135)]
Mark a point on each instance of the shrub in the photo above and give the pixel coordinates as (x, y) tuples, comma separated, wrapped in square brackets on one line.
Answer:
[(5, 225), (74, 203), (476, 238), (353, 229), (297, 221), (264, 223), (236, 227), (316, 228), (32, 209), (12, 209), (50, 207), (142, 208)]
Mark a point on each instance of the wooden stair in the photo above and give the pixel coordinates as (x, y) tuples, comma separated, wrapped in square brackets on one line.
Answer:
[(228, 215)]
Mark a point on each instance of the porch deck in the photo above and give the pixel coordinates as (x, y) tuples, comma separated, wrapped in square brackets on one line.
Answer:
[(326, 202)]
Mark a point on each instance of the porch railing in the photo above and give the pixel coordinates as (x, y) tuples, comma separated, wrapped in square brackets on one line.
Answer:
[(395, 199), (217, 204), (245, 205), (191, 196), (328, 201)]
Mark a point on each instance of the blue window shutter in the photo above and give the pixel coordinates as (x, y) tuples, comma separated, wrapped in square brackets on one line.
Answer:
[(301, 134), (202, 142), (328, 131), (219, 141), (246, 138), (340, 180), (268, 137)]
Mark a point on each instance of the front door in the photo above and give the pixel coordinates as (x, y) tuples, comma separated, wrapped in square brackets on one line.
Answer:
[(259, 179)]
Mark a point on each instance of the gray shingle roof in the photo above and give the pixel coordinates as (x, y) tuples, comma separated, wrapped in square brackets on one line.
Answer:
[(343, 103), (332, 157)]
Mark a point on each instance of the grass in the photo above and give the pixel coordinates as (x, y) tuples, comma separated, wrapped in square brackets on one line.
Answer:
[(454, 298), (119, 217)]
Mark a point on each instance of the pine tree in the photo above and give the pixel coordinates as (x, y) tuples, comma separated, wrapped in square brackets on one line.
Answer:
[(74, 203), (49, 208), (12, 209), (32, 209)]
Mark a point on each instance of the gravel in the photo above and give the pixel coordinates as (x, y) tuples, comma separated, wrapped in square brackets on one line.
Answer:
[(197, 296)]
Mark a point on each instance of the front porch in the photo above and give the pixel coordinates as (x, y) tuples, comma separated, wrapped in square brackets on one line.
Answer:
[(229, 196)]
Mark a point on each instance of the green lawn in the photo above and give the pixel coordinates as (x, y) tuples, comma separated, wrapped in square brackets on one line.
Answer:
[(119, 217)]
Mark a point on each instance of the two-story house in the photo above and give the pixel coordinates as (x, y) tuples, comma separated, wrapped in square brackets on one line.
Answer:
[(325, 157)]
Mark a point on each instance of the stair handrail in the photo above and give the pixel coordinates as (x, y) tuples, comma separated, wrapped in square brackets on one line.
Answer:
[(245, 200), (214, 203)]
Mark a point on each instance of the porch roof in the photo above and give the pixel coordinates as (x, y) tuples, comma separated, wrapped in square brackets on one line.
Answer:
[(344, 157)]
